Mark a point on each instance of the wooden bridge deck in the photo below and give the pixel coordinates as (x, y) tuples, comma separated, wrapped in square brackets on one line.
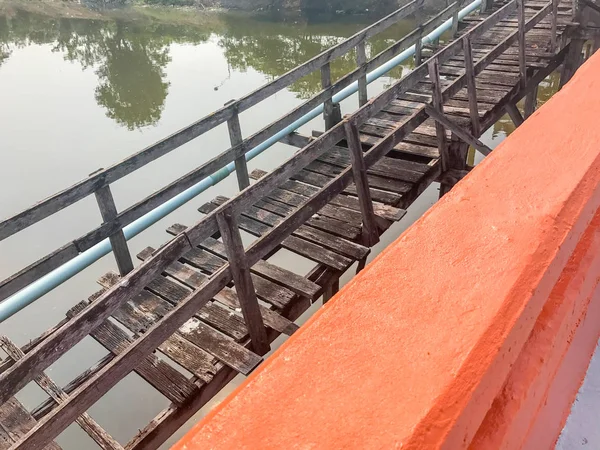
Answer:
[(316, 212)]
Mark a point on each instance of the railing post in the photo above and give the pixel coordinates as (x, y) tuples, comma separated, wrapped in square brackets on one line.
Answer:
[(240, 272), (554, 24), (437, 102), (108, 211), (455, 20), (361, 61), (370, 235), (235, 137), (471, 86), (419, 48), (331, 113), (521, 34)]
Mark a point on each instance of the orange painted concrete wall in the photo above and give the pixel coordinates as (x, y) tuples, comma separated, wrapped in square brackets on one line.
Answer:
[(474, 329)]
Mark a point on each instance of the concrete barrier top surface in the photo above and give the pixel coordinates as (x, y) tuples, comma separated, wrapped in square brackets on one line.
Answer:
[(412, 352)]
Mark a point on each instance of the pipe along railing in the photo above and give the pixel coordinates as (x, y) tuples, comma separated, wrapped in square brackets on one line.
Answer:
[(48, 282)]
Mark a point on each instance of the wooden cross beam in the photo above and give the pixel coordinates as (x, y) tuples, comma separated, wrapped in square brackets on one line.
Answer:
[(462, 134), (85, 421)]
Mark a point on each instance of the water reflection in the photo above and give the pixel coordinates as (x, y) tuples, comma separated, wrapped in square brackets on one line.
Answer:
[(130, 58)]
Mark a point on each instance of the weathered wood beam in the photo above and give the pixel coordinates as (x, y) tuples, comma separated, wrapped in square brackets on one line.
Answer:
[(108, 210), (236, 138), (522, 42), (77, 328), (85, 421), (361, 60), (240, 271), (514, 114), (331, 112), (438, 104), (530, 102), (370, 235), (471, 86), (456, 129)]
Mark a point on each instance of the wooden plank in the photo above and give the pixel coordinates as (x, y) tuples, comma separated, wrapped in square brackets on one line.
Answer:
[(194, 279), (164, 378), (16, 422), (471, 88), (195, 331), (303, 248), (370, 235), (108, 211), (326, 240), (240, 270), (85, 421), (273, 293), (42, 356), (235, 137), (214, 315), (461, 133), (321, 222)]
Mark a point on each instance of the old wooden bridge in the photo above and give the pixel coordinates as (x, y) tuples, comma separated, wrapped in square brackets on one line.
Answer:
[(212, 306)]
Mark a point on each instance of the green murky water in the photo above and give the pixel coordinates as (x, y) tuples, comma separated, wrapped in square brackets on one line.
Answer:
[(81, 89)]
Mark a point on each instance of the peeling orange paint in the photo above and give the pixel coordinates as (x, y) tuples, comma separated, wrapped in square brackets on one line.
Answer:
[(414, 350)]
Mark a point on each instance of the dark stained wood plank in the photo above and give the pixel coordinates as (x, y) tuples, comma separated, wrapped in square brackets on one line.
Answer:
[(63, 339), (303, 248), (227, 296), (225, 349), (15, 422), (164, 378), (235, 138), (108, 211), (85, 421), (278, 296)]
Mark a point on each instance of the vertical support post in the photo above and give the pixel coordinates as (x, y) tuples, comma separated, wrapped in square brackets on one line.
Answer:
[(455, 20), (572, 61), (471, 86), (235, 137), (574, 9), (370, 235), (361, 61), (108, 211), (419, 48), (330, 289), (437, 102), (331, 113), (530, 102), (514, 114), (521, 34), (240, 271), (554, 24)]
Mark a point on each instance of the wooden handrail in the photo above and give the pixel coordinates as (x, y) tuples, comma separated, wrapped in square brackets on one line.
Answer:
[(104, 177)]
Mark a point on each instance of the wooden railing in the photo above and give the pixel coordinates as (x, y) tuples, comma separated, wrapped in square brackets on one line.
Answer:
[(99, 182), (224, 220)]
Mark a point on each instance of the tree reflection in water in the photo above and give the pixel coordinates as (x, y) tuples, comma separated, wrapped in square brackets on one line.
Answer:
[(130, 56)]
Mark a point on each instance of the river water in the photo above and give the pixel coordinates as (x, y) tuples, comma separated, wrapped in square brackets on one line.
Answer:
[(81, 90)]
